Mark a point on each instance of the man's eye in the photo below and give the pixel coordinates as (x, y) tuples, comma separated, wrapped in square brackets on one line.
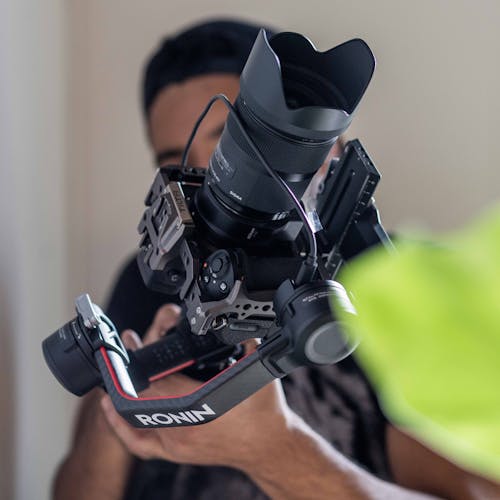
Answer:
[(163, 159), (174, 160)]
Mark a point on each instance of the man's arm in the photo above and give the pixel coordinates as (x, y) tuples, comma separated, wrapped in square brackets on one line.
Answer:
[(415, 466), (288, 460), (283, 455), (97, 465), (305, 466), (264, 439)]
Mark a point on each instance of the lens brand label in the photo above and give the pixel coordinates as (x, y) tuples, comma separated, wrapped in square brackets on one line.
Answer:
[(226, 169)]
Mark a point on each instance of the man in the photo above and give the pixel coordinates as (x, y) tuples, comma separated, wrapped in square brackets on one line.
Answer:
[(317, 434)]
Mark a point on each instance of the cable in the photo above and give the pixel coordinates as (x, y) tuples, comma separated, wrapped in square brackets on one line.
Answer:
[(309, 266)]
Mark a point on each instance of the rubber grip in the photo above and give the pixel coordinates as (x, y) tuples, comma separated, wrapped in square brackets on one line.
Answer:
[(173, 350)]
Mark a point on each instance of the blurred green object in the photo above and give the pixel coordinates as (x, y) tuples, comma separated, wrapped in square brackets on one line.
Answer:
[(429, 321)]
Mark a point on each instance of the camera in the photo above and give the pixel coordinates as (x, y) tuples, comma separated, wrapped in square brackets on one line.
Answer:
[(235, 244)]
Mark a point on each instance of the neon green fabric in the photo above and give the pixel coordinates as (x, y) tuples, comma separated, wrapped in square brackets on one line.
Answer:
[(429, 319)]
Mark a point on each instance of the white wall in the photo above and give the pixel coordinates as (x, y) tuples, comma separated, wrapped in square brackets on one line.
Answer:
[(74, 167), (34, 411)]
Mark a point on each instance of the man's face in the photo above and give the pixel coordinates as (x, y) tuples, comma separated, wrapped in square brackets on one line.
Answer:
[(176, 109)]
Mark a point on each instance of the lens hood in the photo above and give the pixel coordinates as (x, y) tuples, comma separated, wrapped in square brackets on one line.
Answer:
[(293, 88)]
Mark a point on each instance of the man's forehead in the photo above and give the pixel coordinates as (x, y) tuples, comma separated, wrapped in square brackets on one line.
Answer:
[(177, 107), (197, 88)]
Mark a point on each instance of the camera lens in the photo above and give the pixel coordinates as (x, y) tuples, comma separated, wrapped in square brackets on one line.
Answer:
[(69, 355), (294, 102)]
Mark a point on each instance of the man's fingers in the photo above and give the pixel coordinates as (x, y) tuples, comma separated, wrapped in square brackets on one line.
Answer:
[(140, 442), (166, 318), (131, 340), (250, 345)]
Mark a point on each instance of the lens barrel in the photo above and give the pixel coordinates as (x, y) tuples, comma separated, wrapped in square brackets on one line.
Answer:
[(294, 102)]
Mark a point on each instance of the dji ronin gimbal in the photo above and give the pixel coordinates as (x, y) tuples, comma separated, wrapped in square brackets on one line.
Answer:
[(236, 246)]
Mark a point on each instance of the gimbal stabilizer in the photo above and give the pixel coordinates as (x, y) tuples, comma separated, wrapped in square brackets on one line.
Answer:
[(230, 240), (219, 296)]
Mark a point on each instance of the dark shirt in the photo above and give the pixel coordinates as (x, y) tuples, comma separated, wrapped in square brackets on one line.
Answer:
[(336, 401)]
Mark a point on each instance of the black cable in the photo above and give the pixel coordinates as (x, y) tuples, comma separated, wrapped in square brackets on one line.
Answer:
[(197, 126), (306, 272)]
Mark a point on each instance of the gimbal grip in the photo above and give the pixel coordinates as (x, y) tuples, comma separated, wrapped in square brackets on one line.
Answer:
[(210, 400), (177, 350)]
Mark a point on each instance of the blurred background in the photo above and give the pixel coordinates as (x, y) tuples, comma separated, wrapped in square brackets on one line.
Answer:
[(74, 163)]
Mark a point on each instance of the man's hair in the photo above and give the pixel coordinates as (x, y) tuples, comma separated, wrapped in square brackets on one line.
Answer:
[(217, 46)]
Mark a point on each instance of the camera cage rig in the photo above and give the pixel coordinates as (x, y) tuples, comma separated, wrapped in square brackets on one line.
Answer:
[(220, 319)]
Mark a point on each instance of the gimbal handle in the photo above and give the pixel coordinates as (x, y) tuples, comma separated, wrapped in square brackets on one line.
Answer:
[(207, 402)]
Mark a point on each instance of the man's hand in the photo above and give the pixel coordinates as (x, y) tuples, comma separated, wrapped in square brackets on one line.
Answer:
[(251, 426)]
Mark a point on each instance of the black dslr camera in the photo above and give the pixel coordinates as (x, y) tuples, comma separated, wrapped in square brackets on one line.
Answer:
[(237, 246)]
